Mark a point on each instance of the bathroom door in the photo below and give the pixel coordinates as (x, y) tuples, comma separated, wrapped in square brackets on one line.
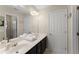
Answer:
[(58, 31)]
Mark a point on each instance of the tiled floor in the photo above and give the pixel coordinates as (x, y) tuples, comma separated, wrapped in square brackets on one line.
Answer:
[(47, 51)]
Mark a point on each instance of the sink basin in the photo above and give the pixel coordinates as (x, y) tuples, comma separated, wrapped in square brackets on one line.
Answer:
[(6, 46), (3, 42), (23, 42), (17, 49), (13, 46), (2, 48)]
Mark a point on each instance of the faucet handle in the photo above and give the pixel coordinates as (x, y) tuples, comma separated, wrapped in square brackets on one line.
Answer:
[(3, 38), (15, 44), (17, 52)]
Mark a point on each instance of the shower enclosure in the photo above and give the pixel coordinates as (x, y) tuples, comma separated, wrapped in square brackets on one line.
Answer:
[(11, 30)]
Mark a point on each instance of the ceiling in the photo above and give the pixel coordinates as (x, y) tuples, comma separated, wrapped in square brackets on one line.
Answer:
[(25, 9), (28, 8)]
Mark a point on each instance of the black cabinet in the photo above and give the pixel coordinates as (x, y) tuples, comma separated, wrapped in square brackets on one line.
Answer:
[(32, 51), (39, 48), (43, 44)]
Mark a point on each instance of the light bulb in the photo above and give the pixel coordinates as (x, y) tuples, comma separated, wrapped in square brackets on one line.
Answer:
[(34, 13)]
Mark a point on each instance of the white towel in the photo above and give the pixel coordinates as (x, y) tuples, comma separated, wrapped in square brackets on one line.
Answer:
[(30, 38), (24, 35)]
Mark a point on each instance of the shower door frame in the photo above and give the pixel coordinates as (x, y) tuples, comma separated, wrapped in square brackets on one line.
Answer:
[(6, 23)]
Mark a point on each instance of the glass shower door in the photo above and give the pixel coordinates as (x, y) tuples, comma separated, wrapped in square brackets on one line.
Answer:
[(11, 30)]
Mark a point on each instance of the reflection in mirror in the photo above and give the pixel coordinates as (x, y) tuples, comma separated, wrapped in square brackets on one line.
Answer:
[(11, 30), (2, 35), (1, 21)]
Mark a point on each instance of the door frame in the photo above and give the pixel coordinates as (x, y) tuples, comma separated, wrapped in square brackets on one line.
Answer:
[(74, 28), (77, 30)]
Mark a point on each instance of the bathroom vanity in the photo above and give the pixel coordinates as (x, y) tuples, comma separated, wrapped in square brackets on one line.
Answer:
[(23, 46), (39, 48)]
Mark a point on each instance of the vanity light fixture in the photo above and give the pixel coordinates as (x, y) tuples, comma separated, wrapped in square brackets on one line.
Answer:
[(34, 13)]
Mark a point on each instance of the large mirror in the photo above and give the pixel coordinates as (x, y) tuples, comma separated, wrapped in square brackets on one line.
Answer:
[(11, 30)]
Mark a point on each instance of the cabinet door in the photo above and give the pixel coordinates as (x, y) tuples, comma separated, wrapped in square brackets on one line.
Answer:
[(39, 48), (32, 51), (44, 44)]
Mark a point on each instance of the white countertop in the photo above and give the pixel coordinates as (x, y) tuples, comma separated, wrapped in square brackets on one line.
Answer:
[(23, 48)]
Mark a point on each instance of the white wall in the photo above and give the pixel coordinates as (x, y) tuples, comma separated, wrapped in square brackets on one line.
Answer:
[(27, 24), (20, 25), (70, 50), (72, 30), (39, 22), (75, 29)]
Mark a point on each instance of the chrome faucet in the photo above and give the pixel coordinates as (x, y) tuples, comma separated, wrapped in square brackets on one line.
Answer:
[(7, 40)]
